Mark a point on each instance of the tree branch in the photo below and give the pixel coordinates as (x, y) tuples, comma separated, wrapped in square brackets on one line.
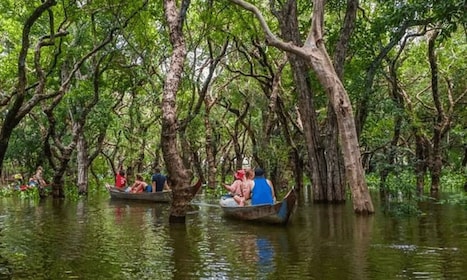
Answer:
[(270, 37)]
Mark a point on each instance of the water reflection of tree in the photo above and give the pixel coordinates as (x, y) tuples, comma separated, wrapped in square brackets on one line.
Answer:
[(185, 254), (362, 234), (331, 240)]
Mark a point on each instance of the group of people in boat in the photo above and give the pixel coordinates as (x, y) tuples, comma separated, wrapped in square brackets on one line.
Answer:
[(35, 181), (249, 188), (158, 182)]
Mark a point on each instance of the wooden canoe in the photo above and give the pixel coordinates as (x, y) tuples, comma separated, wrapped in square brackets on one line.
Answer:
[(116, 193), (164, 196), (278, 213)]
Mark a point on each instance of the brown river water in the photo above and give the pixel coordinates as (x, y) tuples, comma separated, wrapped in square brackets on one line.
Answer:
[(96, 238)]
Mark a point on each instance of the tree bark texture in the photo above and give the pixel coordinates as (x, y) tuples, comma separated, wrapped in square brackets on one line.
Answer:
[(335, 171), (315, 53), (82, 159), (210, 146), (422, 151), (350, 147), (334, 159), (179, 175), (441, 123), (287, 16), (321, 64)]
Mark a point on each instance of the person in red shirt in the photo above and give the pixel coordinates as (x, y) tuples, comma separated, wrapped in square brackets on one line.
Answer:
[(120, 179)]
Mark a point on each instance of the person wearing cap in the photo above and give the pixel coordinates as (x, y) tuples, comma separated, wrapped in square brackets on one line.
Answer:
[(235, 189), (262, 191), (244, 197)]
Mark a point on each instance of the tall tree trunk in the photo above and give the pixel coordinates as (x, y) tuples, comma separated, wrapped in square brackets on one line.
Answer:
[(341, 103), (82, 159), (315, 53), (428, 153), (208, 101), (210, 146), (422, 145), (179, 175), (334, 159), (335, 189), (440, 125), (326, 162), (62, 154), (287, 17), (421, 157)]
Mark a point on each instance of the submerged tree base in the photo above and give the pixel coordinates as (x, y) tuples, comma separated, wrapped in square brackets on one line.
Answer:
[(177, 219)]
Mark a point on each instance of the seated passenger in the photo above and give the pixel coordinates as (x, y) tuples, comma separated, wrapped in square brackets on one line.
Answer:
[(138, 186), (39, 178), (158, 181), (235, 189), (262, 191), (244, 198), (33, 182)]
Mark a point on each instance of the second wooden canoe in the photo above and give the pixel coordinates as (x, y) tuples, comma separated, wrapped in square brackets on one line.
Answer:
[(278, 213), (163, 196)]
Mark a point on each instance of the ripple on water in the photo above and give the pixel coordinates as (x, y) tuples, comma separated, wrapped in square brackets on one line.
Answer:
[(409, 261)]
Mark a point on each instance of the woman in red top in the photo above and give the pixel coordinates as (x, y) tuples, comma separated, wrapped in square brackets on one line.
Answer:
[(120, 179)]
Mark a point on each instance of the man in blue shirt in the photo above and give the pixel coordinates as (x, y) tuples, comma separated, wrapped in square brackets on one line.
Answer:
[(159, 181), (263, 190)]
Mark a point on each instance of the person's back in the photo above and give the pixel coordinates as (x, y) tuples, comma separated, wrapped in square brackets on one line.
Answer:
[(248, 184), (159, 181), (261, 192)]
